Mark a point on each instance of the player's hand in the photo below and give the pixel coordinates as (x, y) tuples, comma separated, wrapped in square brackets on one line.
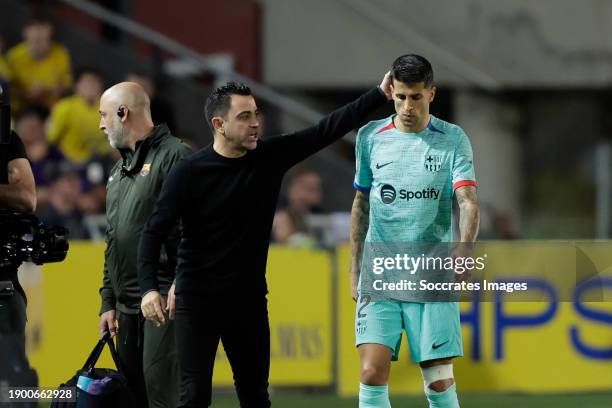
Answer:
[(462, 250), (170, 308), (152, 307), (354, 294), (107, 322), (354, 284), (385, 85)]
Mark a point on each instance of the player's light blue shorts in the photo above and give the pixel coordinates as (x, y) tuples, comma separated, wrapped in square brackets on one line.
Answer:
[(433, 329)]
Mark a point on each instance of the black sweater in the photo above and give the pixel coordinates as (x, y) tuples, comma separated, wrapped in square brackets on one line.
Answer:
[(226, 206)]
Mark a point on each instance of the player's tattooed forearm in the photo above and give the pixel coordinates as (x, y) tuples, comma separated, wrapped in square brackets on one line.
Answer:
[(360, 219), (466, 195), (469, 213), (360, 214)]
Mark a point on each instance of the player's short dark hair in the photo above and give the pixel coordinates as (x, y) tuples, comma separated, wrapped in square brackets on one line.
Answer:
[(411, 69), (219, 101)]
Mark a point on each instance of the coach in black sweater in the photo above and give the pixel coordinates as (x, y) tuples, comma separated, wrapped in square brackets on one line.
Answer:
[(225, 196)]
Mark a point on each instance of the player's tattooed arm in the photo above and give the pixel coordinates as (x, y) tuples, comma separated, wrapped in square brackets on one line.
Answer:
[(469, 213), (360, 219)]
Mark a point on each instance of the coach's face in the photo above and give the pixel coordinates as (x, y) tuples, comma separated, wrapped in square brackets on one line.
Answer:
[(412, 104), (110, 123), (241, 127)]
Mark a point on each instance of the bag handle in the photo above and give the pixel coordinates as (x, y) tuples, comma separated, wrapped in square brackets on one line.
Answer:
[(91, 361), (113, 352)]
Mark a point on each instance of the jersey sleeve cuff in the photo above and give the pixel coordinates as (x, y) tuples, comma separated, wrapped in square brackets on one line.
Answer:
[(362, 189), (464, 183)]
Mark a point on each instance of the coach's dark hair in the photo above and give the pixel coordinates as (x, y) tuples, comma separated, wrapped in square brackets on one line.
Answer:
[(411, 69), (218, 102)]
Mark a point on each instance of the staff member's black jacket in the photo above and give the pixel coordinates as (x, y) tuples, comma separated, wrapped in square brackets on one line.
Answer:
[(227, 205), (131, 192)]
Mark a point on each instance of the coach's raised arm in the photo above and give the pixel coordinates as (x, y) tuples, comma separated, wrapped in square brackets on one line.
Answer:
[(288, 150), (225, 196)]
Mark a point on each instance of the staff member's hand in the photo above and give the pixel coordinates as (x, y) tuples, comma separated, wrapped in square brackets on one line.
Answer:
[(386, 84), (152, 307), (107, 322), (171, 302)]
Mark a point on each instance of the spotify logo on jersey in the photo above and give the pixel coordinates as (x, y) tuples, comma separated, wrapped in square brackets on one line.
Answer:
[(387, 194)]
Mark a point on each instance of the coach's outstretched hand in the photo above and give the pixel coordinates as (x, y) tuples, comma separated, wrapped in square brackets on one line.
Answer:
[(152, 306), (385, 85)]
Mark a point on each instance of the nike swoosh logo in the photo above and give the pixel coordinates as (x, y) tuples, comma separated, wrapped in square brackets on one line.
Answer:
[(437, 346), (380, 166)]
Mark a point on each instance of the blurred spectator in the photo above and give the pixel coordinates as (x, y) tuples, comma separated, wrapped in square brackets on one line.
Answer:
[(73, 125), (46, 160), (62, 208), (503, 226), (304, 197), (40, 67), (161, 110), (289, 228), (305, 191), (93, 182)]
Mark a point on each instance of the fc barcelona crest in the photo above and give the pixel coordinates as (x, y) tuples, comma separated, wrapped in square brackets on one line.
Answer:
[(433, 162), (146, 168)]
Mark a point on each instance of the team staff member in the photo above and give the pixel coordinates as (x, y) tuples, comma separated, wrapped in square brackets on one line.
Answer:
[(17, 192), (225, 195), (147, 353)]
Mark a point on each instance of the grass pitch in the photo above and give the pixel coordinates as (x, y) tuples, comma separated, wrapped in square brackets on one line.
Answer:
[(590, 400)]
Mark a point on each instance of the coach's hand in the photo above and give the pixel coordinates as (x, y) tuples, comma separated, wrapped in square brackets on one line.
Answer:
[(152, 307), (385, 85), (170, 308), (107, 322)]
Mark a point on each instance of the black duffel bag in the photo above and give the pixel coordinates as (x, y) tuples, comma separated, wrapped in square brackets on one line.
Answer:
[(105, 387)]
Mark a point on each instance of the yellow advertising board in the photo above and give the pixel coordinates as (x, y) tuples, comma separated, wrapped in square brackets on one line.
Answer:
[(549, 346), (64, 304)]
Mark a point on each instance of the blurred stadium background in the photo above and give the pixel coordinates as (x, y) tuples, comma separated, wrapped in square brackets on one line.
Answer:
[(528, 81)]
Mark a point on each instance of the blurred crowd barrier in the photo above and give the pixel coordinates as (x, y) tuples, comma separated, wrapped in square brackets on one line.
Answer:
[(556, 345)]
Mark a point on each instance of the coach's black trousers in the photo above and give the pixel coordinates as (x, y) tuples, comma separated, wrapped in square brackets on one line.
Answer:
[(242, 326), (149, 361)]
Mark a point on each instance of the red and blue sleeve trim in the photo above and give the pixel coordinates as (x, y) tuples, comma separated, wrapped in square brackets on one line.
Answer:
[(465, 183), (362, 189)]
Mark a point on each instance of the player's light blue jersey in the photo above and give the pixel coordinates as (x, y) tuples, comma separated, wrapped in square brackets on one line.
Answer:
[(411, 178)]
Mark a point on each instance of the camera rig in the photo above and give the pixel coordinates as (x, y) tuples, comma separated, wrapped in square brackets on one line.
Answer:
[(24, 238)]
